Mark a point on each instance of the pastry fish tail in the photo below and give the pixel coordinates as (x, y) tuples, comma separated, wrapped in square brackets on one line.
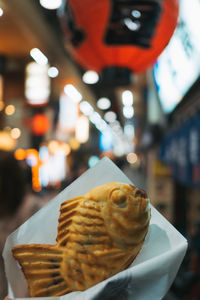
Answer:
[(41, 266)]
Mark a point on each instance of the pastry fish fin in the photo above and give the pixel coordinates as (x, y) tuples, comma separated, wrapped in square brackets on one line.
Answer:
[(41, 267), (67, 211)]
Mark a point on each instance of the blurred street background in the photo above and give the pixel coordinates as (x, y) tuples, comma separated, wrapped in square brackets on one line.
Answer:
[(80, 80)]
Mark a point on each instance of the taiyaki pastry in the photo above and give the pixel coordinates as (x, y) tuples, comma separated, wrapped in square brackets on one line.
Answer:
[(99, 235)]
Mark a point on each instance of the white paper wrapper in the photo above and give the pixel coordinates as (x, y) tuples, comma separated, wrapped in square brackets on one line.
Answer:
[(149, 276)]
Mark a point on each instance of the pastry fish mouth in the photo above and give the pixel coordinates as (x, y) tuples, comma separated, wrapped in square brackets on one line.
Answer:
[(141, 197), (138, 193)]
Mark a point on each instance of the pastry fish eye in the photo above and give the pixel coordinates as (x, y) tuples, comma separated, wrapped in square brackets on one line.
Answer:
[(119, 198)]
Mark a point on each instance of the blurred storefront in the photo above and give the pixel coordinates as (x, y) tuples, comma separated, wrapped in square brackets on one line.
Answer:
[(171, 137), (171, 142), (180, 150)]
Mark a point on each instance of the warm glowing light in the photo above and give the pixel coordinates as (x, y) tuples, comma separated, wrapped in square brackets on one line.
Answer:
[(82, 129), (32, 157), (6, 141), (20, 154), (37, 84), (53, 72), (15, 133), (51, 4), (131, 158), (33, 160), (110, 116), (56, 147), (74, 143), (127, 98), (90, 77), (103, 103), (38, 56), (40, 124), (10, 110), (65, 148), (53, 146), (72, 92), (1, 12)]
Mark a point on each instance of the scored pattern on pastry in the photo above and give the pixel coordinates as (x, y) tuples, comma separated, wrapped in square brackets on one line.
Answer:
[(41, 266), (87, 225), (99, 234)]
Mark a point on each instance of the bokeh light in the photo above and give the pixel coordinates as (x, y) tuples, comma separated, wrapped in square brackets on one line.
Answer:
[(9, 110), (90, 77), (15, 133), (132, 158)]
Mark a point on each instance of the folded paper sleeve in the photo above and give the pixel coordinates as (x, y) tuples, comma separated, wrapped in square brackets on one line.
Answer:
[(149, 276)]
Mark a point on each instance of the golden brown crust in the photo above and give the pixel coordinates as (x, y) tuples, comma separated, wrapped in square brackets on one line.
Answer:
[(99, 234), (40, 265)]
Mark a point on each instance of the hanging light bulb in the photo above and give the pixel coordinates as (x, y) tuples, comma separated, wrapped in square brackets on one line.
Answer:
[(72, 92), (90, 77), (128, 112), (86, 108), (51, 4), (53, 72), (110, 116), (103, 103), (38, 56), (127, 98)]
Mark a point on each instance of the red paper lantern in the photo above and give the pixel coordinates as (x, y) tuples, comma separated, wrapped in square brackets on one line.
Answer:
[(128, 34), (40, 124)]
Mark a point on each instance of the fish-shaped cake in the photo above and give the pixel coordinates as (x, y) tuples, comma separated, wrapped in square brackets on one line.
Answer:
[(99, 235)]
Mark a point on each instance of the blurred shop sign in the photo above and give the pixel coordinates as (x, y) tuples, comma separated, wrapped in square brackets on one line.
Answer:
[(178, 67), (181, 150), (33, 161), (37, 84), (82, 129), (48, 165), (68, 113)]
